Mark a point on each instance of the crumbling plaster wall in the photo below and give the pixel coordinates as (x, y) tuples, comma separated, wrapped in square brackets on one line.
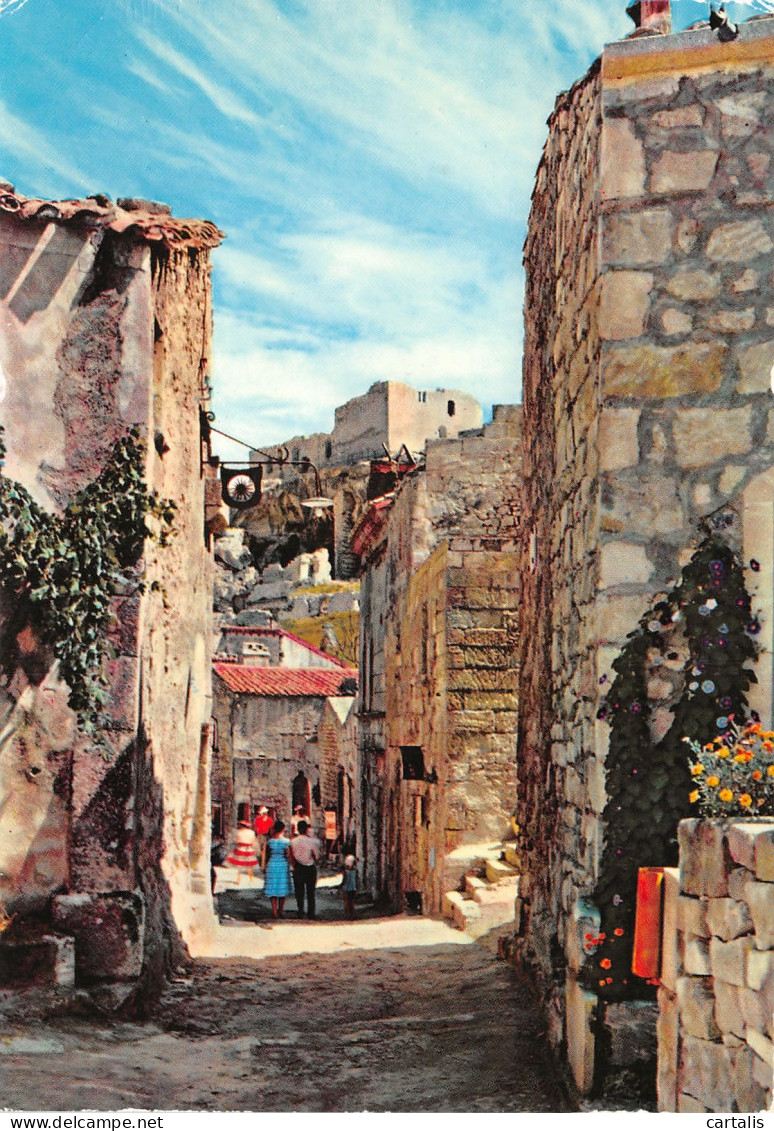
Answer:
[(78, 305), (646, 390)]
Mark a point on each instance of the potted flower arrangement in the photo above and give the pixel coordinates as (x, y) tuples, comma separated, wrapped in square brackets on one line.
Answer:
[(733, 775)]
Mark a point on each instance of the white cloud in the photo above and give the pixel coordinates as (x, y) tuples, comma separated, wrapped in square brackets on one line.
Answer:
[(31, 148)]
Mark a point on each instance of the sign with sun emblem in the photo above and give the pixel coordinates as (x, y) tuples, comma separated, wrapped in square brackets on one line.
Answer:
[(241, 485)]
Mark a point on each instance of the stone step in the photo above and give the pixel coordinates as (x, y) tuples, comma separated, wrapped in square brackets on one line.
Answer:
[(498, 871), (47, 959), (489, 917), (512, 855)]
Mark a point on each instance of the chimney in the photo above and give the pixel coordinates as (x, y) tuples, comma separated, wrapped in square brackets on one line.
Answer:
[(653, 17)]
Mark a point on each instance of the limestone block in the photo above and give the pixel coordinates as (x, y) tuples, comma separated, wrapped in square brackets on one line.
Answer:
[(637, 238), (676, 322), (230, 549), (623, 304), (693, 285), (667, 1036), (731, 478), (696, 956), (623, 563), (708, 1070), (580, 1007), (687, 234), (622, 160), (732, 321), (728, 960), (646, 504), (728, 919), (687, 1105), (761, 1045), (760, 968), (697, 1008), (679, 119), (753, 1009), (741, 113), (755, 366), (45, 960), (108, 930), (738, 242), (662, 371), (763, 1076), (738, 879), (760, 897), (703, 435), (671, 961), (702, 858), (683, 172), (728, 1013)]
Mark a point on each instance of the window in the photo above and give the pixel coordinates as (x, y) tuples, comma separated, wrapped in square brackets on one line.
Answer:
[(243, 811), (451, 408), (413, 763), (328, 449), (422, 398), (218, 828)]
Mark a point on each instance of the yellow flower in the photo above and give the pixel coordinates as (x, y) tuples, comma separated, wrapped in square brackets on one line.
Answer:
[(745, 800), (726, 795), (712, 780), (723, 752), (770, 771), (693, 796), (697, 769), (741, 758)]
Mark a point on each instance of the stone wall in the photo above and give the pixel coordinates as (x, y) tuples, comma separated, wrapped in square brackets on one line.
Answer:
[(444, 638), (716, 999), (104, 325), (648, 350)]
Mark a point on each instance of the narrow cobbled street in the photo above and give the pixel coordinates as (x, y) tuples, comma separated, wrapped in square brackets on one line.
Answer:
[(353, 1024)]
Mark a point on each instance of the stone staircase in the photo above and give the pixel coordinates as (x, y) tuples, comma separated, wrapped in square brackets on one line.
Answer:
[(486, 893)]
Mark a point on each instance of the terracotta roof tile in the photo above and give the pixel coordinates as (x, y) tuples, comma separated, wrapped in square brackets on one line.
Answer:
[(152, 221), (309, 682)]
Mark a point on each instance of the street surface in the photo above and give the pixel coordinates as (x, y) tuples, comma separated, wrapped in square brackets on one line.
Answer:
[(383, 1014)]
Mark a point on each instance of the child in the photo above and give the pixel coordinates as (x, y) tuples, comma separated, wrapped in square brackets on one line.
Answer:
[(349, 885)]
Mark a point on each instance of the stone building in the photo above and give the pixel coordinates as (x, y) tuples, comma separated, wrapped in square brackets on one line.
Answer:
[(437, 707), (284, 729), (105, 318), (389, 415), (647, 407)]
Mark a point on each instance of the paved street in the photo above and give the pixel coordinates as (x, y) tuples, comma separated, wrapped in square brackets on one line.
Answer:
[(390, 1014)]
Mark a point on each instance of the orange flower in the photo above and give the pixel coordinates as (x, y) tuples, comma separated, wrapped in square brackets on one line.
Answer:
[(713, 781), (757, 775), (770, 771), (723, 752), (768, 746), (693, 796), (618, 931), (606, 964), (726, 795), (697, 769), (745, 800)]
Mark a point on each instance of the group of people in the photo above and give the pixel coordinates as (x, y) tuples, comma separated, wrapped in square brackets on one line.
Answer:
[(289, 864)]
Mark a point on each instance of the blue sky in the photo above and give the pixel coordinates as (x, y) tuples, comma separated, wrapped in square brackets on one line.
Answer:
[(370, 161)]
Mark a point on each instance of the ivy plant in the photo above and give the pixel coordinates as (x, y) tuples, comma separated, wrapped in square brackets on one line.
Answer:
[(65, 570), (649, 783)]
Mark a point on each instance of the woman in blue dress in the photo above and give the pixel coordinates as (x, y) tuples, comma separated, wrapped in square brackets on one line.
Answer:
[(278, 882)]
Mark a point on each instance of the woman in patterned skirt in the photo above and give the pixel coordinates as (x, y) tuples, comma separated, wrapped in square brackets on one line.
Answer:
[(242, 855), (278, 883)]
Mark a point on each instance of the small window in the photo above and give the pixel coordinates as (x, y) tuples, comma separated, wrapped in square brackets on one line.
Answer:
[(413, 763), (328, 449), (451, 408), (243, 811)]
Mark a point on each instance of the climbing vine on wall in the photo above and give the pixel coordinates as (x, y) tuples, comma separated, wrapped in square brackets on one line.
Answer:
[(706, 620), (64, 570)]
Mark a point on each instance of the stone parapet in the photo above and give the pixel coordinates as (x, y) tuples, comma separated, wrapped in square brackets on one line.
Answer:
[(716, 1026)]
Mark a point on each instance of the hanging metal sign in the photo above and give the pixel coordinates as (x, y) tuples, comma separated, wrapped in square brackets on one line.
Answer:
[(241, 484)]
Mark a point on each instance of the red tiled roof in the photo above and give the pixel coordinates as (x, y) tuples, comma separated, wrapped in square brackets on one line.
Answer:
[(318, 683), (149, 220)]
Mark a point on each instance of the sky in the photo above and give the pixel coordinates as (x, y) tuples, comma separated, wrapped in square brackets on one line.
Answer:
[(370, 162)]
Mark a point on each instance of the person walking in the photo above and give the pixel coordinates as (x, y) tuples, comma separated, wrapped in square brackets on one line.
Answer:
[(305, 850), (349, 885), (276, 863), (242, 855)]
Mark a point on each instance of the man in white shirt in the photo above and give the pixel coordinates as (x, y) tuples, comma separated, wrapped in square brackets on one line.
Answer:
[(305, 851)]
